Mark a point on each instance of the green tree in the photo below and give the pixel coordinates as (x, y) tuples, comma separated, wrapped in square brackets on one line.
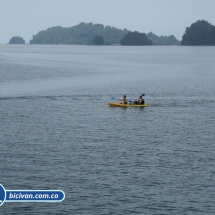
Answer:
[(98, 40), (199, 33), (135, 38), (83, 33), (17, 40), (163, 40)]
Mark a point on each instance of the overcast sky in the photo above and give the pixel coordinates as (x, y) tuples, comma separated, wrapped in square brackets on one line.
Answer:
[(163, 17)]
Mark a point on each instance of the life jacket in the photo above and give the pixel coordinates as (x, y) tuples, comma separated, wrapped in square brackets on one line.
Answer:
[(125, 101), (141, 101)]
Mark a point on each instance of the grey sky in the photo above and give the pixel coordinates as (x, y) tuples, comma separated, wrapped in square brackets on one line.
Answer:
[(163, 17)]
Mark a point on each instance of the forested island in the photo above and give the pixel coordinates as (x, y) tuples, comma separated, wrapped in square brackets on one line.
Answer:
[(199, 33), (16, 40), (85, 33)]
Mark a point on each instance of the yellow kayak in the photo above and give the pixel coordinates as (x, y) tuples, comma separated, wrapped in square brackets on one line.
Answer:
[(114, 104)]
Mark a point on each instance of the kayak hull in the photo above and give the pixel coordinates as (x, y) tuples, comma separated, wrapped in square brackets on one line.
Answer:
[(114, 104)]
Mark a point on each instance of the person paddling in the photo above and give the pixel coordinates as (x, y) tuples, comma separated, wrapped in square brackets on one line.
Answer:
[(140, 101), (124, 100)]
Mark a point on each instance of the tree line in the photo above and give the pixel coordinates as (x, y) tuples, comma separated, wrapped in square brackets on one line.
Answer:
[(199, 33), (88, 33), (83, 33)]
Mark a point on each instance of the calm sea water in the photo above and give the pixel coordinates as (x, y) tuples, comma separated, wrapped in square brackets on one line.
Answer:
[(58, 132)]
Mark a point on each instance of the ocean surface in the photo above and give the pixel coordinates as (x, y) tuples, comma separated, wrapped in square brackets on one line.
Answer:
[(57, 131)]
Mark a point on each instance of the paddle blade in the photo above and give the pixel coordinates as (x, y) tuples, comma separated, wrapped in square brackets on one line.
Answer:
[(113, 98), (143, 94)]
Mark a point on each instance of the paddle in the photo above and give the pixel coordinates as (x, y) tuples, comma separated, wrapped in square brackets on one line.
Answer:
[(141, 96), (113, 98)]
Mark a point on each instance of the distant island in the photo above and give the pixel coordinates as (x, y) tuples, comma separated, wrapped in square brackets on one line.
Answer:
[(16, 40), (199, 33), (85, 33)]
